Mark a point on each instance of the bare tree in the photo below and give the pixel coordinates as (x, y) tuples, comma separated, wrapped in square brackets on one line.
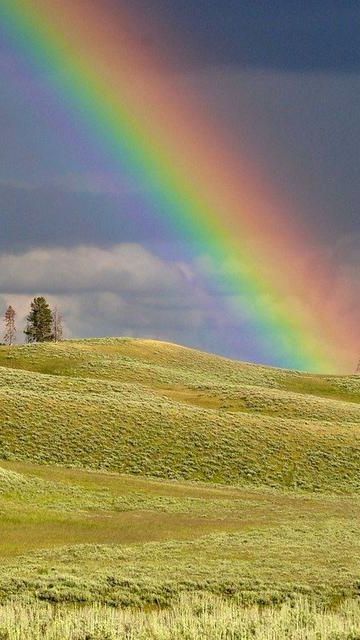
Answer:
[(57, 325), (10, 329)]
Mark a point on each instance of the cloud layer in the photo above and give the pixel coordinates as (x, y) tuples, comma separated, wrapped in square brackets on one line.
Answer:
[(121, 290), (128, 290), (126, 269)]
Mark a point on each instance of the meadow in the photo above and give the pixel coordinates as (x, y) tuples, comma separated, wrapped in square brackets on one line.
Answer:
[(152, 491), (189, 618)]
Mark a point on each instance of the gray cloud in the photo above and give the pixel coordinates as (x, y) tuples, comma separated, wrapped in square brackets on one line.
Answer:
[(301, 132), (88, 182), (125, 268), (347, 256), (123, 290), (70, 215), (126, 290), (281, 34)]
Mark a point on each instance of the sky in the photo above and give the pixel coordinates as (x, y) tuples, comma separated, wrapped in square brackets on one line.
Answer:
[(282, 78)]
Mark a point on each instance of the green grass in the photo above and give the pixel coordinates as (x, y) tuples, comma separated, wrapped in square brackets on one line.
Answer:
[(148, 408), (137, 473), (86, 536)]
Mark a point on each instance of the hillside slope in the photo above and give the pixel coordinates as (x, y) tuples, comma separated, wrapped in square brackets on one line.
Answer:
[(152, 408)]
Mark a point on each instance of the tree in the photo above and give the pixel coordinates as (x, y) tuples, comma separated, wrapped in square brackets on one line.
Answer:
[(39, 321), (57, 325), (10, 329)]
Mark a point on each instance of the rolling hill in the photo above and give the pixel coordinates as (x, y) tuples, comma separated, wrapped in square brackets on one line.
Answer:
[(151, 408), (133, 470)]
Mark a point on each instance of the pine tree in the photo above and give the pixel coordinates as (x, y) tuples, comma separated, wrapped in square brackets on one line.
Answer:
[(39, 321), (10, 329), (57, 325)]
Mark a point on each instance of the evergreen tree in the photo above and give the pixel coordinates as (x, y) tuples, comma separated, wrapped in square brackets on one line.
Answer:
[(39, 321), (10, 329), (57, 325)]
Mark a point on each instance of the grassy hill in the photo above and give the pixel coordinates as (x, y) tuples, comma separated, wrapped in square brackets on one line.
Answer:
[(151, 408), (134, 470)]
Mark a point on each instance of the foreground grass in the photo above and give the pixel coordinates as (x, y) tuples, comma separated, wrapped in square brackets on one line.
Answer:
[(189, 618)]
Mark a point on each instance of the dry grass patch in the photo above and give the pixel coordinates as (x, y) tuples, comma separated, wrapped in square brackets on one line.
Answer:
[(190, 618)]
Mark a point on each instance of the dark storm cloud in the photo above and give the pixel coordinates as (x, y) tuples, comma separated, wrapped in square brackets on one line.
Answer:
[(50, 216), (278, 34), (281, 34), (303, 130)]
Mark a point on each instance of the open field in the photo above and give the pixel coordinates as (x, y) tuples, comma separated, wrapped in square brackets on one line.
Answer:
[(73, 535), (140, 474), (189, 618)]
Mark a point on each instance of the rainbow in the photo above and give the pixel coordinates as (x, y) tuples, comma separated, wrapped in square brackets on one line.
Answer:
[(178, 152)]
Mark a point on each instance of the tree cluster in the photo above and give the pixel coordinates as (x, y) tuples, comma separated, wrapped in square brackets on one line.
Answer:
[(43, 324)]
